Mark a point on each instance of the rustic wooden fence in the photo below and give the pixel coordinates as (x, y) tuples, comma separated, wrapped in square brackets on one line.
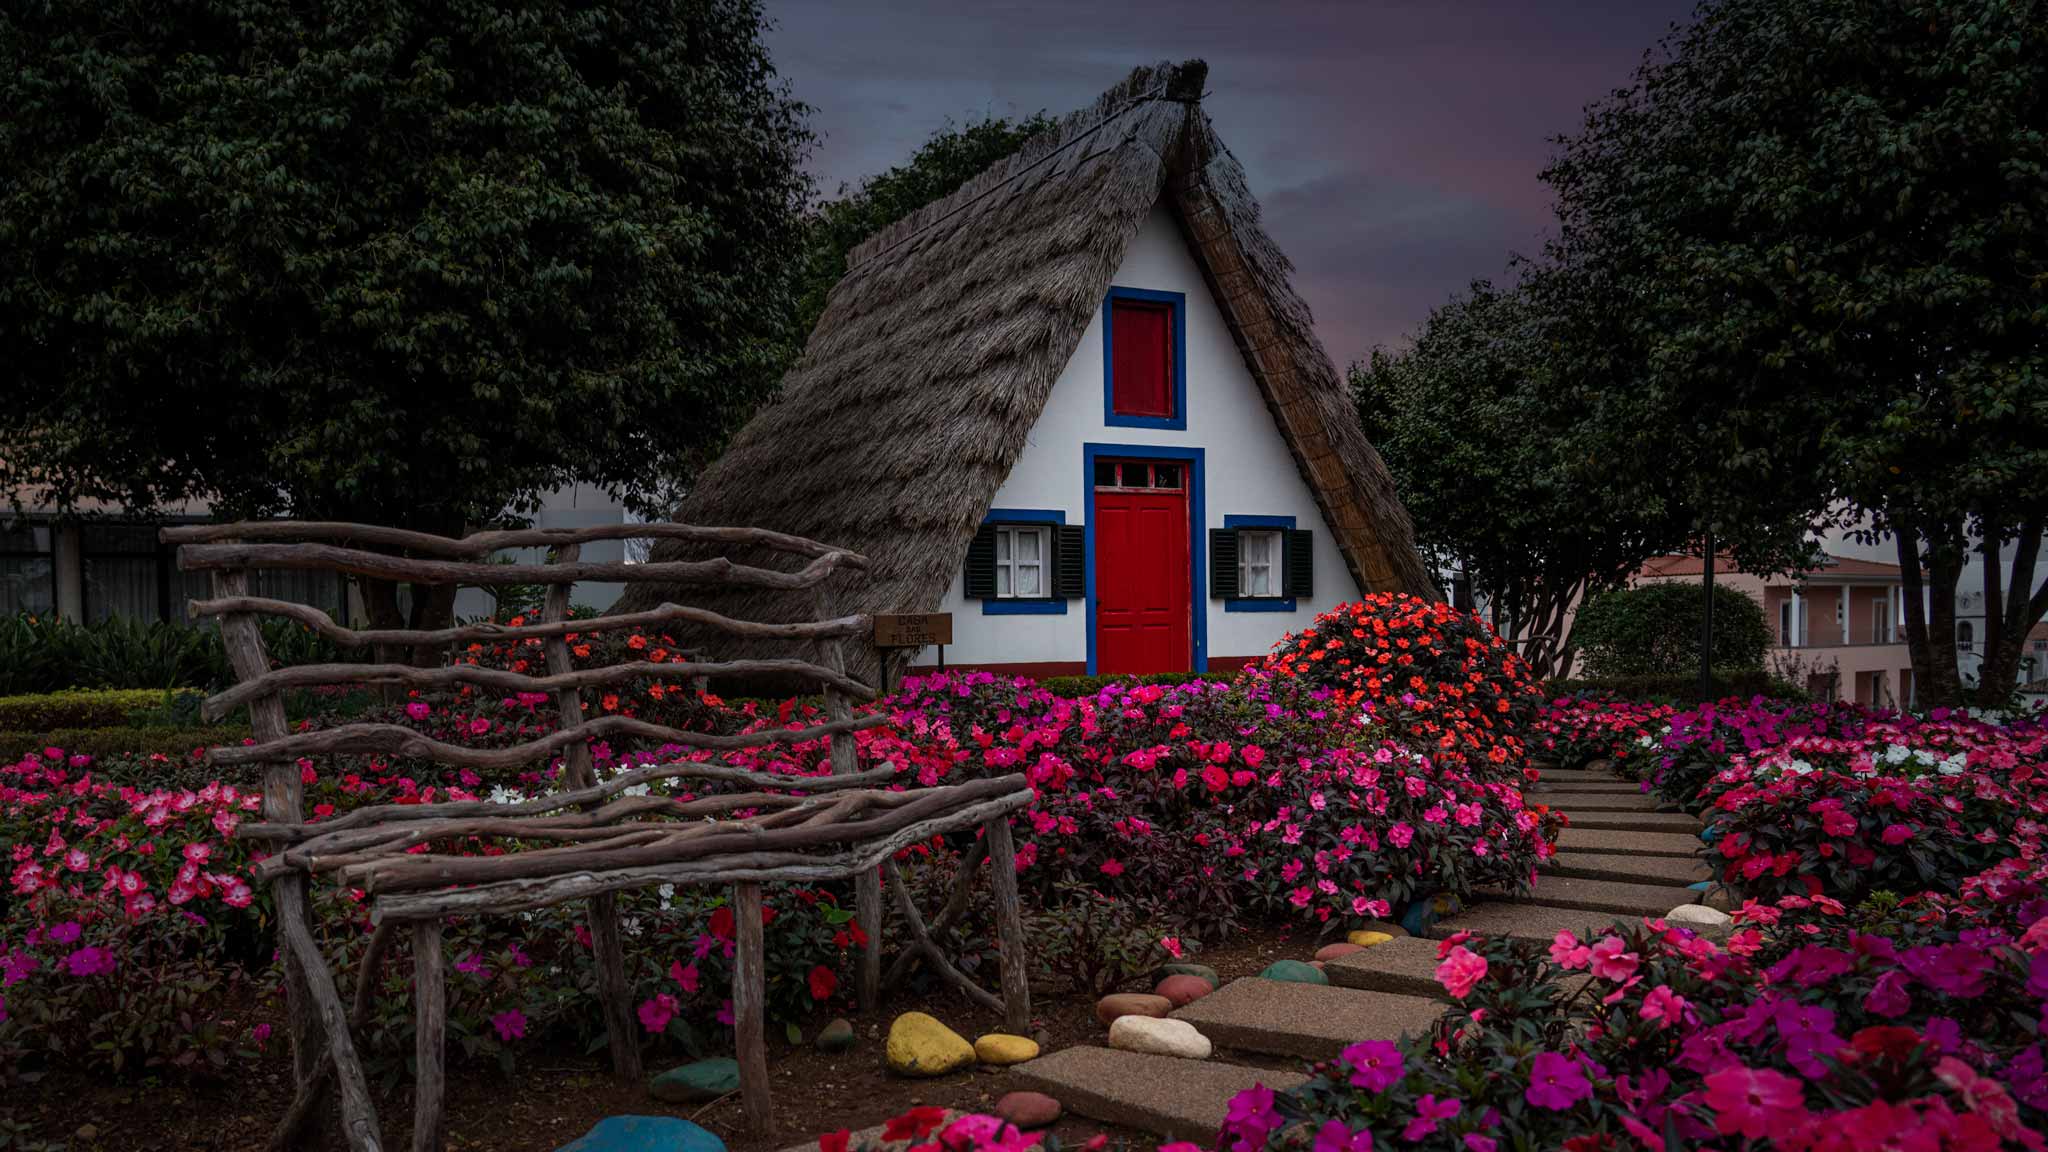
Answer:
[(591, 840)]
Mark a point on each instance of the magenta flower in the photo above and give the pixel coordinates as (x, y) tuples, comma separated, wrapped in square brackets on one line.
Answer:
[(1376, 1065), (65, 933), (1897, 833), (1429, 1112), (1754, 1101), (1335, 1136), (1556, 1082), (90, 962), (1460, 970), (1250, 1118), (1474, 1142), (417, 710), (684, 977), (1610, 962), (512, 1025), (656, 1013)]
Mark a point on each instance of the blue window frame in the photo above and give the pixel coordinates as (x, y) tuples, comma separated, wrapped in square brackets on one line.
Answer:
[(1178, 303), (1262, 603), (1050, 605), (1198, 540)]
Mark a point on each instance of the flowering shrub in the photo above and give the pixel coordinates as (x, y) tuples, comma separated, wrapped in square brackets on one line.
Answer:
[(1575, 730), (1914, 1025), (1440, 679), (927, 1129)]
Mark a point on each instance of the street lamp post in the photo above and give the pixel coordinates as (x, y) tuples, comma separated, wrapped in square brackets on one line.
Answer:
[(1707, 621)]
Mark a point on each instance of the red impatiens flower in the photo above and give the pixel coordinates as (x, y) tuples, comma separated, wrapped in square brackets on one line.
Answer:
[(823, 983)]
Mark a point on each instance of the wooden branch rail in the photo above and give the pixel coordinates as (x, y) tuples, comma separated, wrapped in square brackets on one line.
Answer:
[(398, 740), (478, 544), (454, 675), (596, 838), (321, 622), (380, 566)]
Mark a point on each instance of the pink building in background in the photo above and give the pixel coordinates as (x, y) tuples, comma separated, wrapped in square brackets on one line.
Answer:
[(1839, 626)]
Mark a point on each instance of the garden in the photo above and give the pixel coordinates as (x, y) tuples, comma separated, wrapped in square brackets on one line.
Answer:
[(1887, 974)]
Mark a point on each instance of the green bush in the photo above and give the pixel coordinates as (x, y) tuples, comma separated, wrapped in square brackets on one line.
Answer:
[(48, 653), (1683, 689), (89, 707), (167, 740), (1654, 630), (1090, 685)]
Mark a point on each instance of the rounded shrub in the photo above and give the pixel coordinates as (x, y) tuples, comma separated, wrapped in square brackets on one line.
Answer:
[(1654, 630), (1442, 680)]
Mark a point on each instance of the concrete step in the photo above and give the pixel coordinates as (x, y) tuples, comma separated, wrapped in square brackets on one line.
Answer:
[(1610, 896), (1622, 843), (1629, 869), (1602, 802), (1173, 1098), (1405, 966), (1599, 788), (1312, 1021), (1634, 821), (1574, 776), (1535, 921)]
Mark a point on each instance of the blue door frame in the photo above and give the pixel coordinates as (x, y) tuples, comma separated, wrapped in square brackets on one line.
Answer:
[(1198, 538)]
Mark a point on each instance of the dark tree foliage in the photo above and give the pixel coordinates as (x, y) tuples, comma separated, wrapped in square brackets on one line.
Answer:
[(406, 263), (1654, 630), (952, 157), (1822, 230)]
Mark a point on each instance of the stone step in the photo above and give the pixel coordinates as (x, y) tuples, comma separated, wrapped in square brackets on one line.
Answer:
[(1634, 821), (1169, 1097), (1405, 966), (1611, 896), (1602, 802), (1534, 921), (1312, 1021), (1630, 869), (1601, 788), (1623, 843), (1574, 776)]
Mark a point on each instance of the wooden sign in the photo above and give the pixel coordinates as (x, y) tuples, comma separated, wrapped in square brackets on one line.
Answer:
[(913, 631)]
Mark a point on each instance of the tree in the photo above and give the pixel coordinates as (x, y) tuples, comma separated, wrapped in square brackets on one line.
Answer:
[(410, 264), (1654, 630), (950, 158), (1820, 224)]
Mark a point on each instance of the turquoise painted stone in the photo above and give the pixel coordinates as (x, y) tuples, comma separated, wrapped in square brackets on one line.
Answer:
[(644, 1134), (836, 1037), (1294, 972), (697, 1081), (1427, 911), (1199, 971)]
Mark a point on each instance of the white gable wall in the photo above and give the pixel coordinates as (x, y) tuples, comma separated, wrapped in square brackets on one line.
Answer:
[(1247, 471)]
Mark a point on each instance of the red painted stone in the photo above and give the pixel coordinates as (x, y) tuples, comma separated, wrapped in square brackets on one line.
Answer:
[(1183, 990), (1340, 948), (1109, 1008)]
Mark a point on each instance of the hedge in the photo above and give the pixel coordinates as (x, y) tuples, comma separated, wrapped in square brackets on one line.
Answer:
[(169, 740), (1683, 690), (1654, 630), (90, 707), (1090, 685)]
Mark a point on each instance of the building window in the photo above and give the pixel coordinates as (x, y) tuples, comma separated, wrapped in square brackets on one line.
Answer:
[(1257, 560), (1021, 553), (1966, 636), (28, 572), (1880, 622), (1144, 359)]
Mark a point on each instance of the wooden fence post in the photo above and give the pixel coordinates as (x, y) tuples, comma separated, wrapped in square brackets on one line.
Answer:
[(1002, 875), (749, 1008), (615, 995), (430, 1025), (867, 887)]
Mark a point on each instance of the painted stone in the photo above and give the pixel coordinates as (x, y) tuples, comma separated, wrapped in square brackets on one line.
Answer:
[(1365, 938), (1028, 1110), (999, 1050), (1699, 916), (1159, 1037), (697, 1081), (1182, 991), (1199, 971), (1330, 952), (1294, 972), (919, 1045), (644, 1134), (836, 1037), (1424, 913), (1109, 1008)]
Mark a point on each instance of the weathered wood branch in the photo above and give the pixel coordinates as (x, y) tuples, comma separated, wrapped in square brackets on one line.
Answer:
[(526, 894), (480, 544), (381, 566), (956, 907), (922, 941), (358, 1114), (453, 675), (398, 740), (321, 622)]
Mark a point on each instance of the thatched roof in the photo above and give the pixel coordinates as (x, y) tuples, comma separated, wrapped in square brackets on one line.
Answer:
[(936, 353)]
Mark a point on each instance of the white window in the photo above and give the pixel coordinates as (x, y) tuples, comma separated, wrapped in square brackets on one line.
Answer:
[(1966, 635), (1258, 562), (1021, 551), (1880, 622)]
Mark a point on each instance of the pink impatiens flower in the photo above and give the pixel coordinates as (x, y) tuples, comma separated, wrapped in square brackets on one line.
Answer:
[(1429, 1112), (1336, 1136), (1754, 1101), (656, 1013), (1460, 970), (1376, 1065), (510, 1025), (1610, 962), (1556, 1082), (1664, 1006)]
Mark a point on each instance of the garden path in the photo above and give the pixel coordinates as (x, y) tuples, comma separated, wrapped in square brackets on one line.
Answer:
[(1622, 856)]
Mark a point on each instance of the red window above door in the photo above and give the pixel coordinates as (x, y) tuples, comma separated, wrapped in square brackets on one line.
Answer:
[(1144, 359)]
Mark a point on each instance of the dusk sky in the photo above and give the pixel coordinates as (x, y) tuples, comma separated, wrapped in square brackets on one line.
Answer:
[(1394, 146)]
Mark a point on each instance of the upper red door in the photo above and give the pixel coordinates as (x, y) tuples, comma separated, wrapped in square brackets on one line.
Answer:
[(1143, 606)]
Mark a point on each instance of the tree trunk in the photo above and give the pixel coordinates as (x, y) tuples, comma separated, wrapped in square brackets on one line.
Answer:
[(2012, 606), (1931, 617)]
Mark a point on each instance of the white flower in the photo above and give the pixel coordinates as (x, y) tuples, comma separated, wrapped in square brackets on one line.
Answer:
[(1897, 754), (1954, 765)]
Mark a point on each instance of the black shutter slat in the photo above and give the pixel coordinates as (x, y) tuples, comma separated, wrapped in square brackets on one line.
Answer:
[(1069, 562), (1223, 563), (1298, 552), (980, 569)]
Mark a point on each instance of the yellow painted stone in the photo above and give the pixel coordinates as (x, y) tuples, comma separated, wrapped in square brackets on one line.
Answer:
[(1365, 939), (996, 1048), (919, 1045)]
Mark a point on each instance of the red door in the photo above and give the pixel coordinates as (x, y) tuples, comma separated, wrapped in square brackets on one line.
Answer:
[(1143, 608)]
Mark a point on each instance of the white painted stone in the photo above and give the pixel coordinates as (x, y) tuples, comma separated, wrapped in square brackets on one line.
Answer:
[(1159, 1037), (1699, 916)]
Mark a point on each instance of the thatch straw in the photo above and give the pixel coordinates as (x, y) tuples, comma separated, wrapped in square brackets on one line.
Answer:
[(937, 352)]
